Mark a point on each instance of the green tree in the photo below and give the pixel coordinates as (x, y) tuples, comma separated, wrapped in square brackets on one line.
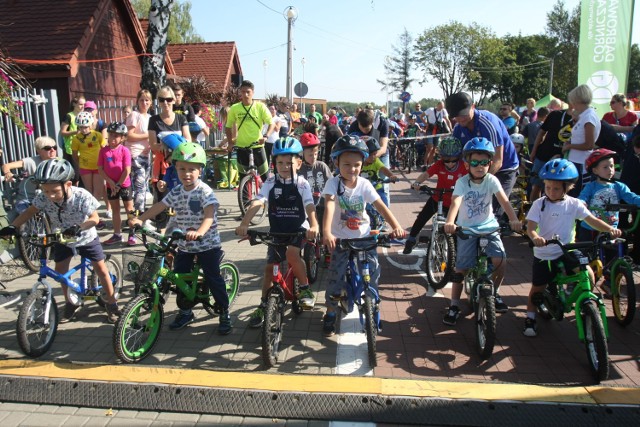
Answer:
[(180, 28), (563, 26), (398, 67), (633, 83)]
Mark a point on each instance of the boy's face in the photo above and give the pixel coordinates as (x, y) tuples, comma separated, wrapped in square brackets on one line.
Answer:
[(350, 164), (85, 130), (554, 189), (605, 169), (478, 165), (179, 94), (115, 139), (188, 173), (311, 154), (55, 192), (450, 162), (287, 164)]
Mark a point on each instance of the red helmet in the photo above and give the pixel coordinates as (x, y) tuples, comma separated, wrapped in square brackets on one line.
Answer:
[(597, 155), (309, 139)]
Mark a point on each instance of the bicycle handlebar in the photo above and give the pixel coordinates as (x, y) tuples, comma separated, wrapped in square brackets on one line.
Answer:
[(621, 207), (257, 237), (435, 191), (377, 239), (48, 239), (167, 242)]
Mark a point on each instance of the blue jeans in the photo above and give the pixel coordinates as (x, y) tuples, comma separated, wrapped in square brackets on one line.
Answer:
[(385, 161)]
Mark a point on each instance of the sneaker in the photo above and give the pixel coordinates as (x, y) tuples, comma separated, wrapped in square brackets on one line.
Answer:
[(255, 321), (501, 307), (69, 311), (225, 323), (329, 324), (101, 225), (306, 298), (113, 312), (109, 215), (181, 321), (452, 315), (408, 245), (7, 299), (530, 328), (113, 240), (131, 241)]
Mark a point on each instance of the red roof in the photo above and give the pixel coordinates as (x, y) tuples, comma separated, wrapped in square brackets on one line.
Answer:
[(215, 61)]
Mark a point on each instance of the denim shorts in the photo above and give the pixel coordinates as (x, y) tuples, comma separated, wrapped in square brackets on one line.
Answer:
[(467, 253)]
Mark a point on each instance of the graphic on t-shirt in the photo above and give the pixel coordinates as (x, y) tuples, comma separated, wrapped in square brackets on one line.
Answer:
[(195, 206), (351, 209), (476, 203), (319, 182), (599, 200)]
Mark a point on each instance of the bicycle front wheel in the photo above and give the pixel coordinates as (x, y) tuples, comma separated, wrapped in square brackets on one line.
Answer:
[(115, 272), (623, 295), (310, 255), (38, 224), (247, 191), (441, 255), (272, 330), (34, 335), (595, 341), (411, 159), (370, 328), (138, 329), (485, 326)]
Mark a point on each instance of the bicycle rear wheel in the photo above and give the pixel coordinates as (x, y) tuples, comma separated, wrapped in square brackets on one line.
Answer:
[(411, 158), (34, 337), (115, 271), (30, 254), (138, 329), (272, 330), (485, 315), (247, 191), (370, 328), (623, 295), (439, 264), (595, 341)]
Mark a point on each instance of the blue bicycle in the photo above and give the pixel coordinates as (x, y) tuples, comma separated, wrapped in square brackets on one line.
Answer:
[(359, 291), (38, 318)]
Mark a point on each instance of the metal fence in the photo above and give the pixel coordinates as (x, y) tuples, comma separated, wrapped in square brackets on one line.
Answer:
[(112, 111)]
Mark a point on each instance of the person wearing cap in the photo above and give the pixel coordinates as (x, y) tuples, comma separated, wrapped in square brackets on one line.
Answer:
[(471, 123), (98, 125)]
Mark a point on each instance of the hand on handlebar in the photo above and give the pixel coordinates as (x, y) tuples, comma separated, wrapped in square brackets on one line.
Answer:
[(515, 225), (241, 230), (539, 241), (450, 228), (615, 232), (330, 241), (312, 233), (134, 222), (192, 235), (399, 233), (72, 231)]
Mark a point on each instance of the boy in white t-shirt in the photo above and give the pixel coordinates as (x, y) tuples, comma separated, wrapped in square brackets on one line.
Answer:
[(471, 203), (554, 216)]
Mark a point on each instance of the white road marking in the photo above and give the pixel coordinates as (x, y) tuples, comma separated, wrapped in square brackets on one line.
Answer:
[(352, 357)]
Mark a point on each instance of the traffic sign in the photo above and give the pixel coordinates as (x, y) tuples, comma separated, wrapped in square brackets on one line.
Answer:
[(301, 89), (405, 96)]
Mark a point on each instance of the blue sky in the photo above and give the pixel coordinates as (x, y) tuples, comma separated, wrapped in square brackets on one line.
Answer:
[(344, 43)]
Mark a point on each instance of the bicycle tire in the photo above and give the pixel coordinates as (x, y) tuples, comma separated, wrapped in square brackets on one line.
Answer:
[(295, 304), (411, 158), (138, 329), (115, 271), (485, 317), (595, 341), (272, 330), (30, 324), (440, 260), (623, 295), (231, 275), (29, 253), (247, 191), (311, 261), (370, 328)]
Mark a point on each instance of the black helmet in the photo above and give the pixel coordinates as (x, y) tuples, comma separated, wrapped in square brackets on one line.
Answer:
[(372, 144), (54, 171), (118, 127), (349, 143)]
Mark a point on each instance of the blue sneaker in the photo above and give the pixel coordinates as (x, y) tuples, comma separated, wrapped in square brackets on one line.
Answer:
[(181, 321)]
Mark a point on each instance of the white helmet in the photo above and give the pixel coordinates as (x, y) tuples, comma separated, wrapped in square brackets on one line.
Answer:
[(84, 118), (517, 138)]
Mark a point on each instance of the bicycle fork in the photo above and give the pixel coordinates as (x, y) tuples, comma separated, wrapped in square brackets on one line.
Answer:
[(48, 292), (362, 286)]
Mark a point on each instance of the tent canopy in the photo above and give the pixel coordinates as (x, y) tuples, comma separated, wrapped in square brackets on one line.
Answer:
[(546, 100)]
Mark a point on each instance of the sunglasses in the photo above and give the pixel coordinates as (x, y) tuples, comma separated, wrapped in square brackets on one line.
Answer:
[(450, 160), (475, 163), (49, 147), (161, 99)]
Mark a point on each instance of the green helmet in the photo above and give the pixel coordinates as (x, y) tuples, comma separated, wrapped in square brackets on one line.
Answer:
[(189, 152)]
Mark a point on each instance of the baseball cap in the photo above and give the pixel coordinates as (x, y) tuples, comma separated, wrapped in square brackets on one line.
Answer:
[(457, 103), (90, 105)]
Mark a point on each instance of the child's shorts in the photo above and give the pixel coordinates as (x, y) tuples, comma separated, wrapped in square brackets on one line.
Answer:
[(125, 194), (92, 251), (277, 254), (468, 254), (89, 172), (544, 271)]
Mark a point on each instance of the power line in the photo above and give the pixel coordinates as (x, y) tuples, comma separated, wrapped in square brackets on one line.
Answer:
[(270, 8)]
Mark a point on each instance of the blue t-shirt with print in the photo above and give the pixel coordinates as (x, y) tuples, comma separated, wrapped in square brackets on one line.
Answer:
[(597, 195)]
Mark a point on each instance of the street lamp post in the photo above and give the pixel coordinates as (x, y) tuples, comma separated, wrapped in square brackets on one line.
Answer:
[(551, 60), (302, 107), (290, 13)]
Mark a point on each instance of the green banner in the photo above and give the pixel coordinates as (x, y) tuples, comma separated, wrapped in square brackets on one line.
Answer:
[(605, 40)]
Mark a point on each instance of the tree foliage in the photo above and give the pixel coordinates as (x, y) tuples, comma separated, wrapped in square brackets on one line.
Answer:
[(398, 67), (633, 85), (180, 28), (563, 27)]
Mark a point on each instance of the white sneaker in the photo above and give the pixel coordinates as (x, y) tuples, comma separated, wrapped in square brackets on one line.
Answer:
[(109, 215)]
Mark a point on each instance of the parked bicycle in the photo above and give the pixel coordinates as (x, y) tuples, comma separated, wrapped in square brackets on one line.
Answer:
[(250, 185), (408, 154), (139, 327), (38, 318)]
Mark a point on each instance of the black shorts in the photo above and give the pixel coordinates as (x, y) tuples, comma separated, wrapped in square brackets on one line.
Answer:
[(125, 194), (544, 271), (91, 251), (277, 254), (259, 160)]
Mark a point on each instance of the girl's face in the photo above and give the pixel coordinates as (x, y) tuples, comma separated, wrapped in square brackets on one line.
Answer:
[(144, 103), (311, 154), (605, 169), (115, 139), (55, 192), (85, 130), (79, 105), (350, 165), (126, 112), (188, 173)]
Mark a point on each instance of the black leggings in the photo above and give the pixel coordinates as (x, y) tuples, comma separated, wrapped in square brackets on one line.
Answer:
[(429, 209)]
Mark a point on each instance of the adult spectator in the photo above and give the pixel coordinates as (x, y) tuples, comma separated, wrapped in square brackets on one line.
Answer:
[(555, 105), (180, 106), (509, 121), (314, 113), (333, 118), (622, 120), (278, 122), (529, 115), (285, 120), (68, 129), (584, 133), (419, 113), (248, 117), (201, 138), (295, 118), (471, 123), (437, 123), (530, 130), (331, 134), (399, 117)]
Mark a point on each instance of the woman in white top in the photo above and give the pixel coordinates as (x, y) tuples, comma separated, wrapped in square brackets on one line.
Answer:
[(585, 132)]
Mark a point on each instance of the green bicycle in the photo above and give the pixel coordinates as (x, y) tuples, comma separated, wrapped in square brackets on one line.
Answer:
[(138, 329)]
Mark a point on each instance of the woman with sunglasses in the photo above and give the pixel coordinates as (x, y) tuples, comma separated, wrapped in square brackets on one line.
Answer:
[(47, 149), (622, 120)]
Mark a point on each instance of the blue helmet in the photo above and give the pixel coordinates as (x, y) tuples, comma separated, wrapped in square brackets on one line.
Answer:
[(351, 143), (194, 127), (559, 170), (173, 140), (287, 145), (478, 145)]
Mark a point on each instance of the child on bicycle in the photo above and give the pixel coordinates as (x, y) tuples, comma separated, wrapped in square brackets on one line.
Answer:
[(316, 172), (73, 210), (346, 196), (290, 203), (553, 216), (449, 168), (114, 165), (471, 204), (195, 205), (372, 171)]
